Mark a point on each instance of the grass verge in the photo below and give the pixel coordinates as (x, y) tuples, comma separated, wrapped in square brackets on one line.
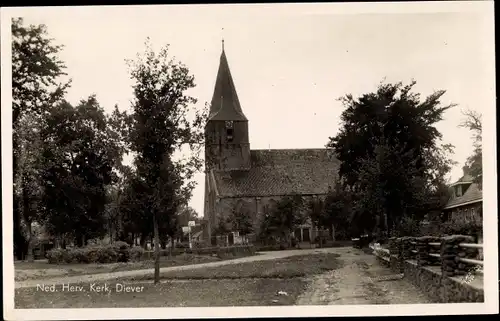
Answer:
[(40, 270), (247, 284), (199, 293), (283, 268)]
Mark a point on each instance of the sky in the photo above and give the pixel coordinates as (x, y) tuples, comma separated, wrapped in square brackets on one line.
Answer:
[(290, 64)]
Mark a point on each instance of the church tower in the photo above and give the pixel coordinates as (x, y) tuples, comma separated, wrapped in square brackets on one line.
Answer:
[(227, 145)]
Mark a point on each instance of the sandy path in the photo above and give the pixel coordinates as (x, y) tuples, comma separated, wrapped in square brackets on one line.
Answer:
[(263, 256), (362, 280)]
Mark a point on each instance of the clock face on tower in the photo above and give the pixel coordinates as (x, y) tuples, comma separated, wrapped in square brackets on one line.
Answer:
[(229, 124)]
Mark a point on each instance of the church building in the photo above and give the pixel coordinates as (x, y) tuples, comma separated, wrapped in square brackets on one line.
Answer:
[(239, 178)]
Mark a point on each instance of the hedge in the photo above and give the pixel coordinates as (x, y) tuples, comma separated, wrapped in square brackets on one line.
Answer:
[(116, 252), (122, 252), (221, 252)]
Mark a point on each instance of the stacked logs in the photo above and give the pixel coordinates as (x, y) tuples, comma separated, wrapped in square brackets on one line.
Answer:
[(396, 248), (393, 246), (451, 253), (405, 248), (423, 249)]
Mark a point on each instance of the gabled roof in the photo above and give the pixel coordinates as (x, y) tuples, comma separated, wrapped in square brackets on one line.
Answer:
[(465, 179), (280, 172), (472, 195), (225, 103)]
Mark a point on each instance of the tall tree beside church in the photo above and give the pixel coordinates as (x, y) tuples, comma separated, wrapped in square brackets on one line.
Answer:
[(285, 216), (390, 153), (29, 185), (337, 211), (37, 85), (163, 122), (474, 162), (80, 154), (240, 219)]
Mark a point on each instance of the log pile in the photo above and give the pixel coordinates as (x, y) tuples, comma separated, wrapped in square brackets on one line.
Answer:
[(393, 246), (405, 247), (451, 252), (423, 249)]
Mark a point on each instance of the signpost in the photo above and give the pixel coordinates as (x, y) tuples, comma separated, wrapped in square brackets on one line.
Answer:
[(190, 224)]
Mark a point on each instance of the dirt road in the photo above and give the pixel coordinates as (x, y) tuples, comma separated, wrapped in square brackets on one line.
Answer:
[(361, 280)]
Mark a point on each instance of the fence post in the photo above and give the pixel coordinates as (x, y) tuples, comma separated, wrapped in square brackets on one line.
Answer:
[(424, 249), (408, 247), (451, 253)]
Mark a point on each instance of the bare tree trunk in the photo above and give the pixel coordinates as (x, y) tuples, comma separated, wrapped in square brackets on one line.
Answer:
[(157, 249), (29, 240), (171, 247), (387, 230)]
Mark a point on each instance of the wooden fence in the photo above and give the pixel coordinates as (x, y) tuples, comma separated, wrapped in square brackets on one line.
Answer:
[(456, 254)]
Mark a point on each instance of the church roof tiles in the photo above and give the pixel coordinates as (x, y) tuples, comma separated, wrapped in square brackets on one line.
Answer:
[(280, 172)]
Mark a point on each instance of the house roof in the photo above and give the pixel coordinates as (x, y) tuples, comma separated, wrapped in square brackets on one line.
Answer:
[(280, 172), (225, 104), (472, 194), (465, 179)]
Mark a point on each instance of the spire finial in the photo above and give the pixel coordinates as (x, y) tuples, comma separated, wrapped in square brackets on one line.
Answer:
[(222, 39)]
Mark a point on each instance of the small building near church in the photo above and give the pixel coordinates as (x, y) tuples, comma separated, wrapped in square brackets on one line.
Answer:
[(466, 200), (466, 204)]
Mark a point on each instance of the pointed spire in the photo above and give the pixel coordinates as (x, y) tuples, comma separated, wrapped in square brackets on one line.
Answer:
[(222, 39), (225, 103)]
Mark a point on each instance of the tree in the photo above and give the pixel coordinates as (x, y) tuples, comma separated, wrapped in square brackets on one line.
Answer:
[(317, 213), (337, 211), (474, 162), (240, 219), (28, 188), (186, 214), (285, 216), (36, 87), (172, 228), (161, 126), (135, 221), (79, 155), (391, 158)]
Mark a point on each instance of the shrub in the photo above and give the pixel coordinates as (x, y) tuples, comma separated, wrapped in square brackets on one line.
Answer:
[(81, 255), (182, 245), (122, 250), (92, 254), (408, 227), (265, 248), (206, 251), (136, 253), (118, 252), (120, 245), (55, 256), (110, 255), (461, 228), (235, 251), (198, 244)]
